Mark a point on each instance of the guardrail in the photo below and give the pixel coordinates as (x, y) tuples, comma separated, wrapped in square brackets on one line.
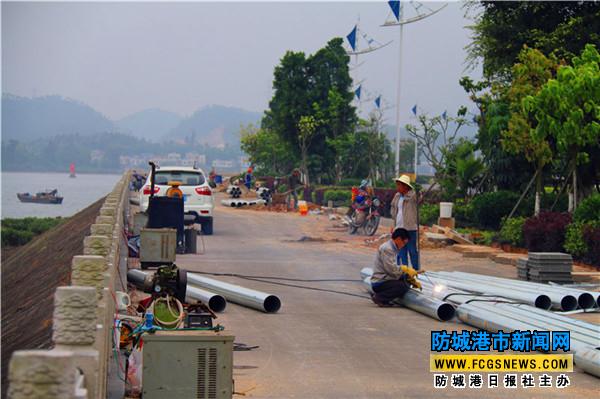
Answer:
[(83, 318)]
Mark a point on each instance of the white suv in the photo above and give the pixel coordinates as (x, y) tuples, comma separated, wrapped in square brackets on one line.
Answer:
[(197, 194)]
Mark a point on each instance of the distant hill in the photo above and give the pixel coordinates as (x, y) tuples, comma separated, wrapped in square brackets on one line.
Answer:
[(214, 125), (26, 118), (150, 124)]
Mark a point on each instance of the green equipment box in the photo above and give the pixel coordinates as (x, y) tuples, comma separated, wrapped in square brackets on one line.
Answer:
[(187, 365)]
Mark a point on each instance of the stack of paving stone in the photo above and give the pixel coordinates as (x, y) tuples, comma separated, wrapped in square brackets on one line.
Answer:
[(522, 269), (543, 267)]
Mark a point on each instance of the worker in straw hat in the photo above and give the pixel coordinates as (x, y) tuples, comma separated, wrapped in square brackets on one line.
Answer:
[(404, 215)]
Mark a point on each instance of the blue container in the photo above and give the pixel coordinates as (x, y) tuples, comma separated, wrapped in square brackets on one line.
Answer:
[(218, 179)]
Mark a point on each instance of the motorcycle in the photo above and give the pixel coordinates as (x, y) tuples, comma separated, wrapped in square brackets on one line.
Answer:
[(365, 214)]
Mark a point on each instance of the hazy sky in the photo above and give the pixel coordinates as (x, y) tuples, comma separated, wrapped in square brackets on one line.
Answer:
[(121, 58)]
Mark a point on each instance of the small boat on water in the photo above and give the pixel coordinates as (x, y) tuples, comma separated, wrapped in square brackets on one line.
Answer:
[(43, 197)]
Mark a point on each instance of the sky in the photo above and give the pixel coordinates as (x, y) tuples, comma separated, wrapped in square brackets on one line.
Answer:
[(121, 58)]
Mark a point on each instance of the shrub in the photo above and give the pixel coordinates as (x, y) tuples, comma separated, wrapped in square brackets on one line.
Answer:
[(546, 232), (591, 236), (512, 232), (588, 210), (490, 208), (574, 242), (428, 214), (282, 188), (339, 197), (350, 182), (17, 232), (463, 214)]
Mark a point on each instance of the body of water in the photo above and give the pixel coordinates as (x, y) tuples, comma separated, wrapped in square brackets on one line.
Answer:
[(78, 192)]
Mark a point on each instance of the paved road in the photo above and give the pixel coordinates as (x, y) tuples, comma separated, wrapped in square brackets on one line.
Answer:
[(324, 345)]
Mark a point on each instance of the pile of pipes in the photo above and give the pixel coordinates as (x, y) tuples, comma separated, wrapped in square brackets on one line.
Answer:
[(544, 267), (264, 194), (214, 293), (234, 191), (493, 303), (238, 203)]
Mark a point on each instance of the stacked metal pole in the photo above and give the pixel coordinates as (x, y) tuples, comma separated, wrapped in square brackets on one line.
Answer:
[(585, 299), (234, 191)]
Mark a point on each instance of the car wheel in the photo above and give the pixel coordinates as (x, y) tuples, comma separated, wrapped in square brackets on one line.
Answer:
[(207, 227)]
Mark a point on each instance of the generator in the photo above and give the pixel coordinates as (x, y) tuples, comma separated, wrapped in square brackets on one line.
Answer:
[(187, 364)]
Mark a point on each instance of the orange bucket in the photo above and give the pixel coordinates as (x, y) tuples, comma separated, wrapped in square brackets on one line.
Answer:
[(303, 208)]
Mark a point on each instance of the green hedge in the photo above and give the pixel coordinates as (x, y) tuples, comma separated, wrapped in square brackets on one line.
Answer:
[(17, 232), (512, 232), (339, 197), (429, 213), (490, 208), (588, 210)]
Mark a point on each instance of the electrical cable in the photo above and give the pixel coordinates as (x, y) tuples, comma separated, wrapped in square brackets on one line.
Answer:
[(278, 278)]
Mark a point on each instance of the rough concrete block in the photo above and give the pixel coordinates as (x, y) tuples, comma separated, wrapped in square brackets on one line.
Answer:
[(74, 316), (107, 210), (96, 245), (42, 374), (106, 220), (102, 230), (89, 271)]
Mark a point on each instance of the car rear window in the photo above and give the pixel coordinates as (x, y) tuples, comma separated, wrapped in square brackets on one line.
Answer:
[(184, 177)]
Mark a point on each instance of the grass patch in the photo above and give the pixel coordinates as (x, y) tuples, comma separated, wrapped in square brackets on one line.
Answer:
[(16, 232)]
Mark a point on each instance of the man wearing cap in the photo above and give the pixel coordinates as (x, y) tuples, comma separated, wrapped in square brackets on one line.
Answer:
[(404, 215)]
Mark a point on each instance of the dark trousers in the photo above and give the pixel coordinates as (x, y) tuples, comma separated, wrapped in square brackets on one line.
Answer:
[(390, 290)]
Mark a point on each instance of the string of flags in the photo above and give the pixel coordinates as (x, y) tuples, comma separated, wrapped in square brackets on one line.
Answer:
[(395, 6), (351, 37), (358, 91), (378, 102)]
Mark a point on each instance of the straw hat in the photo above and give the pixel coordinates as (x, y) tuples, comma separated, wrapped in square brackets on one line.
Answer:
[(404, 179)]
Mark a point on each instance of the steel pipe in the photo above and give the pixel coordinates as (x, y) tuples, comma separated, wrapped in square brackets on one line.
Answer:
[(586, 356), (421, 303), (560, 301), (586, 331), (214, 301), (234, 293), (143, 281), (538, 300), (585, 299)]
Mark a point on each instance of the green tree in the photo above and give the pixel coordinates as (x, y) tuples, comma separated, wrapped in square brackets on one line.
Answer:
[(266, 150), (319, 87), (529, 75), (436, 136), (307, 126), (567, 110), (501, 29)]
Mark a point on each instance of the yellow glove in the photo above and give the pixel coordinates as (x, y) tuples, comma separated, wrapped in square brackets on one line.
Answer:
[(415, 283), (409, 271)]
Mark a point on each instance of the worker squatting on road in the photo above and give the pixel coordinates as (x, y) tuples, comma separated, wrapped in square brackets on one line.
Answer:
[(404, 215), (390, 281)]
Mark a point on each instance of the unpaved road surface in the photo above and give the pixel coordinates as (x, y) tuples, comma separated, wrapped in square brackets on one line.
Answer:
[(326, 345)]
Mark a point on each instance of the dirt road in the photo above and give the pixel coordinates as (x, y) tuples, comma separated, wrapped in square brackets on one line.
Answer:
[(326, 345)]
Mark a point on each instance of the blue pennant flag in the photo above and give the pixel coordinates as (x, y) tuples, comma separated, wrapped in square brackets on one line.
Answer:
[(445, 115), (378, 102), (357, 92), (395, 6), (414, 109), (352, 38)]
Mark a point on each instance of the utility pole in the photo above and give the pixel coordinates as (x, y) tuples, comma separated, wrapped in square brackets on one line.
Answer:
[(398, 10)]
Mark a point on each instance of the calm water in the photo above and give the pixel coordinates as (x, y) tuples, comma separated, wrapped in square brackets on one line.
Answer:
[(78, 193)]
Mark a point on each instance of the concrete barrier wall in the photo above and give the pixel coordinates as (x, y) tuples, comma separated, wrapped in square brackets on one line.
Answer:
[(84, 316)]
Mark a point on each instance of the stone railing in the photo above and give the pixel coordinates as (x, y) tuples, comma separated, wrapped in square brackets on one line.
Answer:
[(84, 316)]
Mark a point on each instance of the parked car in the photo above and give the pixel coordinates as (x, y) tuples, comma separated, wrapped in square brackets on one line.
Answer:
[(197, 194)]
